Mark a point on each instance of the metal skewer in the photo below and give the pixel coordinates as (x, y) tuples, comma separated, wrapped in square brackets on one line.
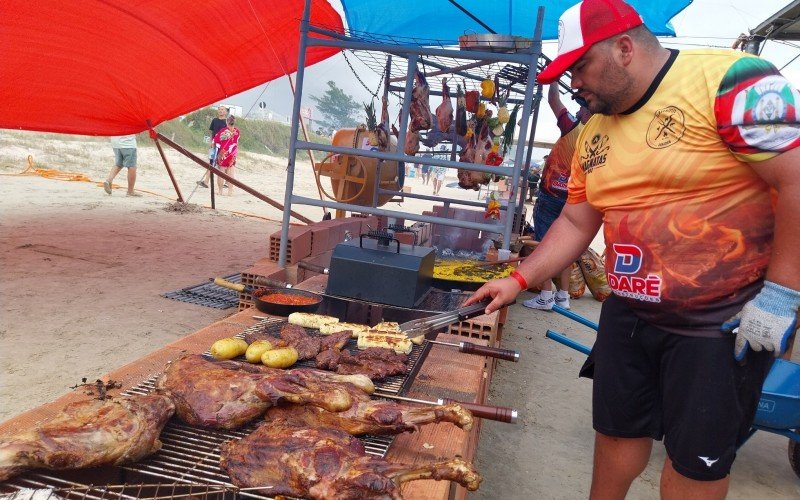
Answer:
[(497, 413), (492, 352)]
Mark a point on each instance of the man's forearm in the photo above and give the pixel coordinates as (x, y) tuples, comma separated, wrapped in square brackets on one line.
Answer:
[(567, 238)]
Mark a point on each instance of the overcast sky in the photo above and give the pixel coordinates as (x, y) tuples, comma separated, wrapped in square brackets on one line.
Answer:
[(703, 23)]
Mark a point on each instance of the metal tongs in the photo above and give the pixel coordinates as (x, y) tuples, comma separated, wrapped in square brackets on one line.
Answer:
[(431, 324)]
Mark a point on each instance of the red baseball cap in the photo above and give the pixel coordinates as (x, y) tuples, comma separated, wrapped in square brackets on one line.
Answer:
[(583, 25)]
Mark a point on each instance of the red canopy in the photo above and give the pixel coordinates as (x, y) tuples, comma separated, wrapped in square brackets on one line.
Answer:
[(106, 67)]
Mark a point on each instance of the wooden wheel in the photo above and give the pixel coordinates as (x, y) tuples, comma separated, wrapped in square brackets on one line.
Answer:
[(342, 169)]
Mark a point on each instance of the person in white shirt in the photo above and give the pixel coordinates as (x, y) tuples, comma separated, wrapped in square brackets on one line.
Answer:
[(124, 156)]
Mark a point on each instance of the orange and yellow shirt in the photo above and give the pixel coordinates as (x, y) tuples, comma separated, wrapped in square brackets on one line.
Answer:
[(688, 224)]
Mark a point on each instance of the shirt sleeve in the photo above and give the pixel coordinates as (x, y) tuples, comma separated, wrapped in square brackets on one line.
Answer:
[(566, 122), (576, 187), (756, 110)]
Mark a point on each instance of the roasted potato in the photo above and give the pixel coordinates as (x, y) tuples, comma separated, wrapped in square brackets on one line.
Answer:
[(280, 358), (256, 349), (228, 348)]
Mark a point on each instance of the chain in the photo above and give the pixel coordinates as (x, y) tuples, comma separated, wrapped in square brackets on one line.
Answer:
[(373, 94)]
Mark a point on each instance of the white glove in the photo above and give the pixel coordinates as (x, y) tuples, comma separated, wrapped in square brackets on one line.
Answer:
[(766, 322)]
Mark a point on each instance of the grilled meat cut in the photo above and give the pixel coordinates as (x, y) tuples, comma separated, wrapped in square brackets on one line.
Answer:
[(227, 395), (307, 346), (371, 416), (374, 362), (89, 434), (324, 463)]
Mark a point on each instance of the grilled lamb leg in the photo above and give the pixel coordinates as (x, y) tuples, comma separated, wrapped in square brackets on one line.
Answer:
[(89, 434), (367, 416), (324, 463), (227, 395)]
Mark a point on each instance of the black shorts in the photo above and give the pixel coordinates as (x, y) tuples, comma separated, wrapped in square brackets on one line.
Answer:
[(687, 390)]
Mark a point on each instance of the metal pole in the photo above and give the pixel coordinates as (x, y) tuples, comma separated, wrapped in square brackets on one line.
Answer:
[(523, 131), (154, 136), (526, 171), (287, 197), (305, 135)]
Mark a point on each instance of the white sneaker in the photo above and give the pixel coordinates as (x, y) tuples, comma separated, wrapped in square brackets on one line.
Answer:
[(562, 299), (544, 301)]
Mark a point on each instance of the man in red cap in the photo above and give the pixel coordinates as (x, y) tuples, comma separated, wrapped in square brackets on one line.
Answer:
[(691, 165)]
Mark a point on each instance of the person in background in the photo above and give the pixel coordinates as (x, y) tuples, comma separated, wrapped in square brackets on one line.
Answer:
[(227, 143), (553, 195), (534, 175), (426, 170), (124, 157), (217, 124), (691, 164), (438, 178)]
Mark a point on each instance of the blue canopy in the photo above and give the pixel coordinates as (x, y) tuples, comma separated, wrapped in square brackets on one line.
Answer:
[(440, 20)]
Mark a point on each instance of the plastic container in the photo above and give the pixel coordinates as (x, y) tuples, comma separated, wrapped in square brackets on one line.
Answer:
[(503, 254)]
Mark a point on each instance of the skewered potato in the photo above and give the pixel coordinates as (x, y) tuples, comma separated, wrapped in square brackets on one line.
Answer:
[(280, 358), (256, 350), (228, 348)]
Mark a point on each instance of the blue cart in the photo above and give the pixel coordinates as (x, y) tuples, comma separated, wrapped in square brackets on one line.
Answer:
[(778, 409)]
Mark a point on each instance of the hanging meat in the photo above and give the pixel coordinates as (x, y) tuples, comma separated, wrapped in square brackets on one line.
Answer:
[(412, 143), (444, 113), (461, 112), (324, 463), (420, 112), (227, 394), (89, 434), (371, 416)]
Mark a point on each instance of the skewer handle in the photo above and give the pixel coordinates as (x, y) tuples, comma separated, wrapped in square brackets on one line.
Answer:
[(492, 352), (497, 413)]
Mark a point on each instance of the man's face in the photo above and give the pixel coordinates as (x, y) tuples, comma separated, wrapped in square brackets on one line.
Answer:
[(600, 80), (222, 112)]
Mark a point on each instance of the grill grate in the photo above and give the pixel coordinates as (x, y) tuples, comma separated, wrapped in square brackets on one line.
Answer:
[(208, 294)]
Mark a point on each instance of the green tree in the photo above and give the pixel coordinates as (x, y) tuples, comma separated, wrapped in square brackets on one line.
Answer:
[(338, 108)]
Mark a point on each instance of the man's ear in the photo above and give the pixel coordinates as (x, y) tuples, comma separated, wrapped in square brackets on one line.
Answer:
[(623, 50)]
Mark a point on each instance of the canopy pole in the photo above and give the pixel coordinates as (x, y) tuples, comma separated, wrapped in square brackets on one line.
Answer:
[(154, 135), (228, 178), (287, 196), (305, 134)]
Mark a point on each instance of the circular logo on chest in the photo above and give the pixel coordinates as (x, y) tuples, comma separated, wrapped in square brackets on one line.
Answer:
[(667, 128)]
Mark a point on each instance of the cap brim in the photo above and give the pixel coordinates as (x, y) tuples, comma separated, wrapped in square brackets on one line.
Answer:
[(560, 64)]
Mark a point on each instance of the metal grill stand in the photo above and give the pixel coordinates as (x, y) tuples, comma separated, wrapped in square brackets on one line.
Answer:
[(413, 53)]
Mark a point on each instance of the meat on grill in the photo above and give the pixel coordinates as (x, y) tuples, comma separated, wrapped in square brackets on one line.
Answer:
[(374, 362), (324, 463), (307, 346), (89, 434), (229, 394), (371, 416)]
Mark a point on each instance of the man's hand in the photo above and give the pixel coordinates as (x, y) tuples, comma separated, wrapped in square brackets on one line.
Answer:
[(766, 322), (502, 291)]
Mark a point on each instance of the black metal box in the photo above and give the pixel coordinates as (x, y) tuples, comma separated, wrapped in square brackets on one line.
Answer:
[(397, 274)]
